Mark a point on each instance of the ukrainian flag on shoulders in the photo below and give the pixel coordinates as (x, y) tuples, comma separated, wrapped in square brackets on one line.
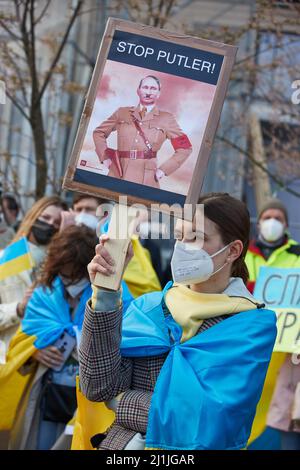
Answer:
[(15, 258)]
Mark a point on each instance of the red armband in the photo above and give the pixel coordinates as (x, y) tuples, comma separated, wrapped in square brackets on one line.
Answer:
[(181, 142)]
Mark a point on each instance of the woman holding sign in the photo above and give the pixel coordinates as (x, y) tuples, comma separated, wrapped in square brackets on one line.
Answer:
[(183, 368)]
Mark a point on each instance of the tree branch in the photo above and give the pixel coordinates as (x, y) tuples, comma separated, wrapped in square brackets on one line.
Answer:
[(6, 28), (17, 8), (17, 105), (18, 73), (89, 61), (58, 54), (42, 13), (169, 7), (22, 157), (32, 64), (23, 30), (157, 17), (277, 180), (259, 52), (23, 23)]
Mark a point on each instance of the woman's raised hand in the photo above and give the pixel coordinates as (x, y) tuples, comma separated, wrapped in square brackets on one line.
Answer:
[(102, 262)]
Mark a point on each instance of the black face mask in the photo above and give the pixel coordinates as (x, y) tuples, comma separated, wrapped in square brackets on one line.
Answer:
[(43, 232)]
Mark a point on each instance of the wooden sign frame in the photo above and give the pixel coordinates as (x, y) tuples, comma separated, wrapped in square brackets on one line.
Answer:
[(140, 193)]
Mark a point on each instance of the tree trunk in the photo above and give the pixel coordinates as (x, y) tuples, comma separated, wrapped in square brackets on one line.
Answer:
[(38, 133), (262, 185)]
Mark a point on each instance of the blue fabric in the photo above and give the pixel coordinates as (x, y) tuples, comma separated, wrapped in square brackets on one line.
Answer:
[(104, 227), (213, 381), (48, 313), (268, 440), (48, 434), (127, 298), (15, 250)]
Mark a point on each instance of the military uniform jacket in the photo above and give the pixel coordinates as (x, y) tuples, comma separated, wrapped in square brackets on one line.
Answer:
[(158, 126)]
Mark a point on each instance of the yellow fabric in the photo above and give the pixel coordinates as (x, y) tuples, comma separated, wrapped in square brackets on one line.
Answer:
[(259, 423), (280, 258), (15, 266), (189, 308), (12, 383), (95, 291), (94, 417), (91, 418), (140, 275)]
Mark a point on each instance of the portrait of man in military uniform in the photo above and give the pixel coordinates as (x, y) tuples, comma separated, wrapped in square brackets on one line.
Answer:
[(141, 132)]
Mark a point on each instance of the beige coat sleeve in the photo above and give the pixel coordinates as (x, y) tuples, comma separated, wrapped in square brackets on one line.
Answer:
[(102, 132), (8, 315), (181, 154)]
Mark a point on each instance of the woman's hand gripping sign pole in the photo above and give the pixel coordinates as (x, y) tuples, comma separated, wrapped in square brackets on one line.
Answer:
[(114, 250)]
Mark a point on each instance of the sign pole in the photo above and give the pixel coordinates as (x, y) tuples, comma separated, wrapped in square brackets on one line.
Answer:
[(121, 228)]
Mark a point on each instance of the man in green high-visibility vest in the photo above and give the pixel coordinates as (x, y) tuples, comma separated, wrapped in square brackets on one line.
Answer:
[(272, 247), (273, 427)]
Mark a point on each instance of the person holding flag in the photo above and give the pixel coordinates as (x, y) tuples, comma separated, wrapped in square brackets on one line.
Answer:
[(17, 273), (42, 357)]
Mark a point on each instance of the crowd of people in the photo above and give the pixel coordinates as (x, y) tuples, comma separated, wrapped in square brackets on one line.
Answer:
[(172, 365)]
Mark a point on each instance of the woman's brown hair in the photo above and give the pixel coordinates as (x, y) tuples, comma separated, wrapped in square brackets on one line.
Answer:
[(73, 247), (34, 213), (233, 221)]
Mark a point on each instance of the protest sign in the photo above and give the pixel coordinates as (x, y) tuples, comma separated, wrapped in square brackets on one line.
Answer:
[(150, 116), (279, 290)]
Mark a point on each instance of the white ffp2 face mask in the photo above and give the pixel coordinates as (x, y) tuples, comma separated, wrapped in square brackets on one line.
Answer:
[(74, 289), (192, 266), (89, 220), (271, 229)]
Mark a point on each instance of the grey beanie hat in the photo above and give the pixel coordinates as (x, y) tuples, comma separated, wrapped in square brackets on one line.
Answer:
[(274, 203)]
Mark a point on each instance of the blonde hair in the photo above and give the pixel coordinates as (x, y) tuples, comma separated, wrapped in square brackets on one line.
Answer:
[(33, 214)]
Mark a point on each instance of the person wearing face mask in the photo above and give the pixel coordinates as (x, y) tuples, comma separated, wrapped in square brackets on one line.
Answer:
[(85, 209), (38, 377), (183, 368), (274, 248), (11, 209), (140, 275), (39, 225), (42, 355)]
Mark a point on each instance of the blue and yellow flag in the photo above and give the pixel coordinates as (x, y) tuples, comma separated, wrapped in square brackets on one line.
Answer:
[(15, 259), (47, 317)]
